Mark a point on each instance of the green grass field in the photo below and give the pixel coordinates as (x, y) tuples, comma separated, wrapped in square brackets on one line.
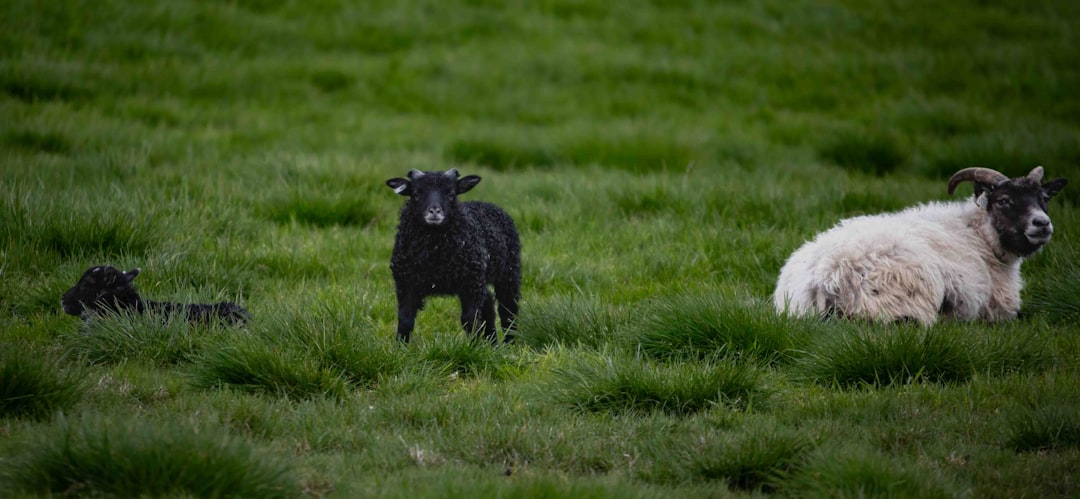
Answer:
[(661, 160)]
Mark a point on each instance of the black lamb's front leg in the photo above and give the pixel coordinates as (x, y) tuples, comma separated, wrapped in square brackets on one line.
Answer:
[(409, 303), (478, 313)]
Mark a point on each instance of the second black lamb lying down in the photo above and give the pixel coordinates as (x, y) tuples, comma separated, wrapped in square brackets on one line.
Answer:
[(103, 290)]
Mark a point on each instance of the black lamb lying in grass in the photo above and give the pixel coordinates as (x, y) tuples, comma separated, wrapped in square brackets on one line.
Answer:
[(445, 247), (103, 290)]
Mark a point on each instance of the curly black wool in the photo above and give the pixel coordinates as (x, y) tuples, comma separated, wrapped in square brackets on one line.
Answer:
[(446, 247)]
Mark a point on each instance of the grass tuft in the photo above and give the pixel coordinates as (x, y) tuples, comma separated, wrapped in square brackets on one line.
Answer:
[(75, 227), (35, 384), (880, 355), (703, 326), (146, 337), (757, 459), (616, 382), (467, 355), (339, 339), (1044, 417), (257, 364), (1054, 297), (1050, 426), (94, 457), (566, 320), (855, 473)]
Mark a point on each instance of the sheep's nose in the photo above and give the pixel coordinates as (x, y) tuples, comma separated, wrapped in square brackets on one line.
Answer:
[(434, 210), (1040, 221)]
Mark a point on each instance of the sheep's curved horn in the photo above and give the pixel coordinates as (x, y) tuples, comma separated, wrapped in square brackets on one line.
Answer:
[(415, 174), (977, 175), (1036, 174), (452, 173)]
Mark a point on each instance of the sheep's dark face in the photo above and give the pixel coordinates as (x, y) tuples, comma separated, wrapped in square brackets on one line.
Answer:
[(432, 195), (1017, 208), (101, 289)]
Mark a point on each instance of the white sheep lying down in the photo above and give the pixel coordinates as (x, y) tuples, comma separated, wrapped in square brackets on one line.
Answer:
[(957, 259)]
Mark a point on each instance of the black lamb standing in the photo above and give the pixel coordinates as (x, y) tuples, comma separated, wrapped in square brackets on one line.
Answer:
[(444, 247), (102, 290)]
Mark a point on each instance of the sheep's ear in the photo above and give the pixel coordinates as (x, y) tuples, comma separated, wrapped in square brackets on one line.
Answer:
[(981, 188), (465, 184), (1053, 187), (400, 186), (132, 274)]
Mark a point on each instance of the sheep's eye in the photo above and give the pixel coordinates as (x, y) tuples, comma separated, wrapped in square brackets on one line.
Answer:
[(1004, 202)]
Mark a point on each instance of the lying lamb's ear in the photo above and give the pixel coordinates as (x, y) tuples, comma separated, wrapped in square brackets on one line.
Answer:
[(132, 274), (464, 184), (1053, 187), (400, 186)]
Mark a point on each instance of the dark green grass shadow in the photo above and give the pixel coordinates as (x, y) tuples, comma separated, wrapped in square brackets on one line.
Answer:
[(869, 151)]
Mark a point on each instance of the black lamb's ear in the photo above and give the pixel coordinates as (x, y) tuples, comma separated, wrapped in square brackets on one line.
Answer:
[(400, 186), (465, 184), (131, 274), (1053, 187)]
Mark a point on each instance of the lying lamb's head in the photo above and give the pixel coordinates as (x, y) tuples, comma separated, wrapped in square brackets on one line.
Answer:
[(432, 195), (101, 289), (1017, 206)]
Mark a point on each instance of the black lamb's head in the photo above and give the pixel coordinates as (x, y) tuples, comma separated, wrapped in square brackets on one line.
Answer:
[(101, 289), (432, 195)]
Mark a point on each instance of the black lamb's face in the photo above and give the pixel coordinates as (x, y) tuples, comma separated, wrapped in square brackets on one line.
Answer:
[(432, 195), (1018, 210), (101, 288)]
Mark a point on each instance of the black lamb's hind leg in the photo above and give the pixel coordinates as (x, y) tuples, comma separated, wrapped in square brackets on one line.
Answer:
[(507, 294)]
